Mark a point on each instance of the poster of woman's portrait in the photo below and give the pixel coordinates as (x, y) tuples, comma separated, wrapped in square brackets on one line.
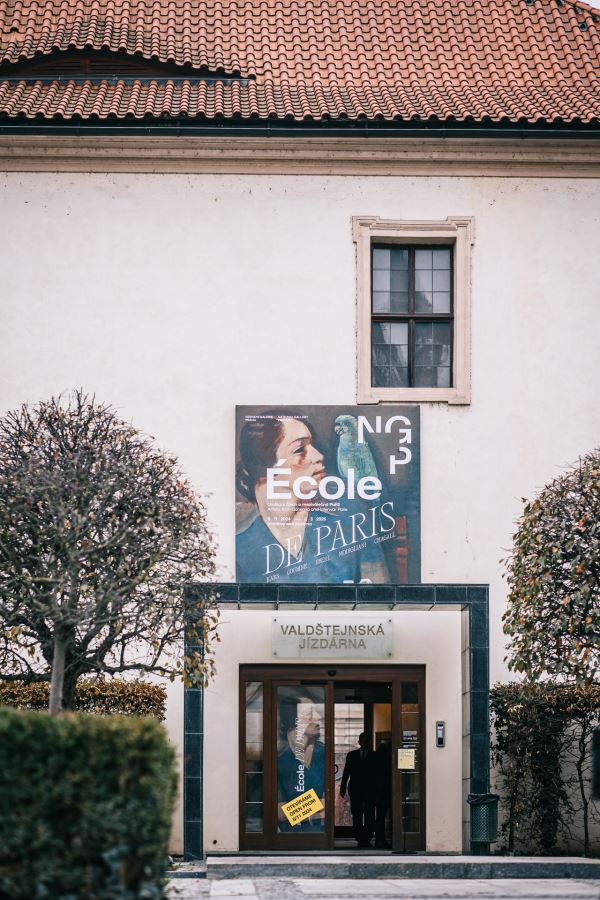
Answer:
[(327, 494)]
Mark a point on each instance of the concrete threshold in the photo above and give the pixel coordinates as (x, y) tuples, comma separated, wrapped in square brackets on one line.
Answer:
[(308, 865)]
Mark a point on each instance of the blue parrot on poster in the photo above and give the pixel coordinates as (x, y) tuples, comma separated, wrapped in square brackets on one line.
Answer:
[(351, 454)]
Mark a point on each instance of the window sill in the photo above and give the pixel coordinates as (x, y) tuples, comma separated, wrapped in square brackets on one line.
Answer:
[(413, 395)]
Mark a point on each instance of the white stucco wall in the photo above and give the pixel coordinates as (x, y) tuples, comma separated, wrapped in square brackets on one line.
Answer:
[(175, 297)]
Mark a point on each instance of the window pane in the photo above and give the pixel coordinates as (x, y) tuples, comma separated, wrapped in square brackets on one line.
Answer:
[(441, 301), (425, 377), (423, 259), (443, 376), (442, 336), (399, 258), (441, 259), (399, 280), (424, 355), (410, 695), (380, 354), (411, 786), (441, 280), (300, 751), (254, 795), (399, 355), (398, 376), (381, 280), (399, 302), (424, 333), (254, 756), (432, 354), (381, 377), (423, 280), (381, 333), (423, 291), (411, 738), (399, 333), (441, 332), (349, 722), (381, 258), (390, 360), (381, 302)]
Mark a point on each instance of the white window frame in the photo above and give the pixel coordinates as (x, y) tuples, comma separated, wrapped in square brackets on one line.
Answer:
[(455, 231)]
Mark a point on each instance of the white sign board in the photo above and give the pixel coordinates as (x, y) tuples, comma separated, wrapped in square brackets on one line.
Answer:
[(406, 758), (316, 636)]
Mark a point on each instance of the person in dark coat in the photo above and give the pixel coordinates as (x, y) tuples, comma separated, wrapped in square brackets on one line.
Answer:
[(383, 791), (360, 778)]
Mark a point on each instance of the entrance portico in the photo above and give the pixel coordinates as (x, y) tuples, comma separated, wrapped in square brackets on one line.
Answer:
[(352, 600)]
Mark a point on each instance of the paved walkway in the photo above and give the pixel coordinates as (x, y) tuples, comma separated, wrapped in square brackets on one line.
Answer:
[(383, 889)]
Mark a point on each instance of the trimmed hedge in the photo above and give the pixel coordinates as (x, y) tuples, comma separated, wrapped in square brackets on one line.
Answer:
[(85, 806), (542, 757), (106, 697)]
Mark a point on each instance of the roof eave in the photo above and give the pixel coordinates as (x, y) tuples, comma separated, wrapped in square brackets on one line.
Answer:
[(274, 127)]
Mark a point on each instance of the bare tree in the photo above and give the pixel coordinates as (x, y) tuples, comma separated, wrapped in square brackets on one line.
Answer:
[(99, 533)]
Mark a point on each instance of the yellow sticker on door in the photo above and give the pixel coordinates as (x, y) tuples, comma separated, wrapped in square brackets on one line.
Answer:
[(302, 807)]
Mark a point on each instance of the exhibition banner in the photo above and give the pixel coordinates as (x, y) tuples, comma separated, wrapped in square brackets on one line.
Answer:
[(328, 494)]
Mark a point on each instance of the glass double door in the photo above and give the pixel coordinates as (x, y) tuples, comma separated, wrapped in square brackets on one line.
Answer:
[(308, 780)]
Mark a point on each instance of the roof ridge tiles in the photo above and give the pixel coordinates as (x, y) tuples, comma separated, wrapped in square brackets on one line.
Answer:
[(579, 4)]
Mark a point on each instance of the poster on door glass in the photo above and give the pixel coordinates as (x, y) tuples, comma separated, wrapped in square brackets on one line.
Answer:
[(300, 753), (328, 494)]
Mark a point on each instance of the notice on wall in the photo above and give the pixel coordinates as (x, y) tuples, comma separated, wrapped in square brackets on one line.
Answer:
[(359, 637), (303, 807), (406, 758), (328, 494)]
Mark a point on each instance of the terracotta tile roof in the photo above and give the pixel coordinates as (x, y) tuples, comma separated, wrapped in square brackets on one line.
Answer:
[(481, 60)]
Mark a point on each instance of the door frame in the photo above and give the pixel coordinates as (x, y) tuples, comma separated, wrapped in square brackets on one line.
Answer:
[(273, 675)]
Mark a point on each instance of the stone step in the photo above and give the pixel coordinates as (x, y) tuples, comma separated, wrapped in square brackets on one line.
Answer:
[(188, 870), (310, 865)]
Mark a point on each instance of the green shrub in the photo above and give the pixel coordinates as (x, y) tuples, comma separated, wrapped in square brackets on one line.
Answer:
[(542, 756), (106, 697), (85, 806), (553, 613)]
